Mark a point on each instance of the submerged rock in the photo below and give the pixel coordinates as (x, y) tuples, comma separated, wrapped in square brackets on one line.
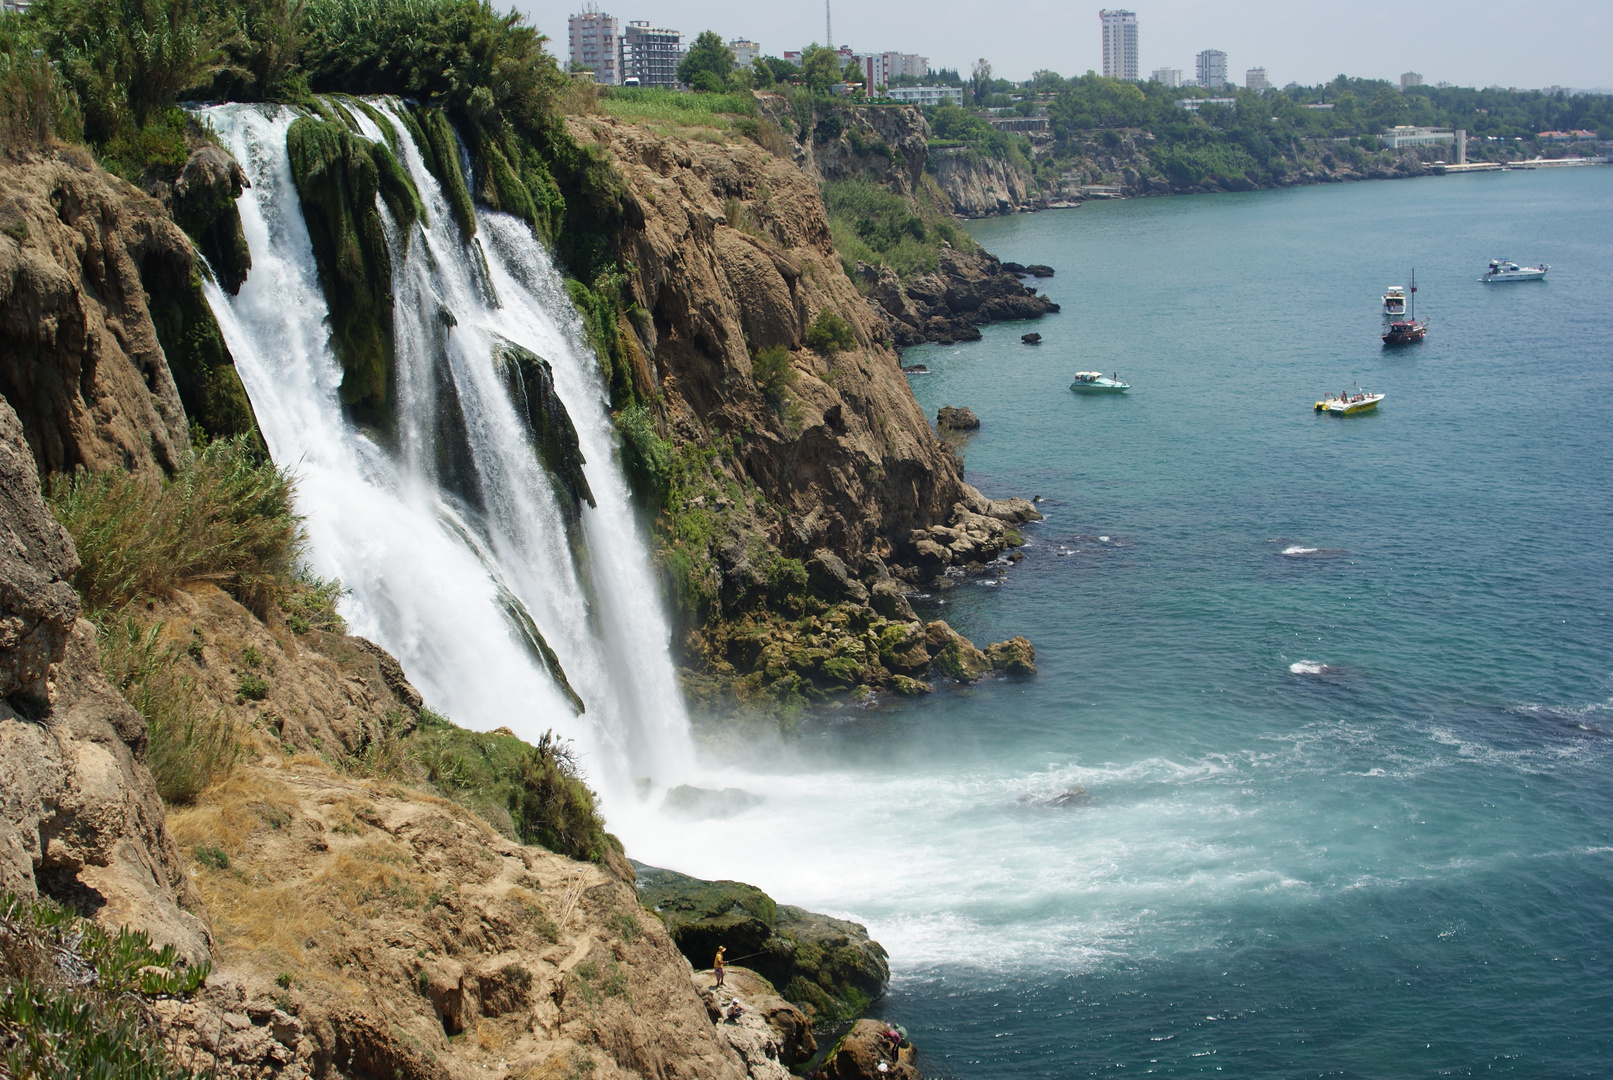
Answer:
[(1076, 796), (1031, 339), (690, 803)]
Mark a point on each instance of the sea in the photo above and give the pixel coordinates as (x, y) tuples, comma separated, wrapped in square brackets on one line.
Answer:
[(1336, 693)]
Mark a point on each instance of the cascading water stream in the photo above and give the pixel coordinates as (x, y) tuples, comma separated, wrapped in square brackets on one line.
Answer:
[(442, 568)]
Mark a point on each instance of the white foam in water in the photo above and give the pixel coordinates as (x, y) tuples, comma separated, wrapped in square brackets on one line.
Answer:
[(425, 577), (1295, 549), (1307, 667)]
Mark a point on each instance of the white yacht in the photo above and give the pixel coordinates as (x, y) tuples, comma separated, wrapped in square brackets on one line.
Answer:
[(1506, 270), (1095, 382)]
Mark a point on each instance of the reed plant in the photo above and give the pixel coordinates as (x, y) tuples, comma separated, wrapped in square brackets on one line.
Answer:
[(225, 517)]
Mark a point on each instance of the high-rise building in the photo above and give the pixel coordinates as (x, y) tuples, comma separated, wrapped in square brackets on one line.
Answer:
[(594, 44), (1410, 78), (1212, 69), (1255, 79), (650, 54), (745, 52), (1119, 44), (1168, 76)]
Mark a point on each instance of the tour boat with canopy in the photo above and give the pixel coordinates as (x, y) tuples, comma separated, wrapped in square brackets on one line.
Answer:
[(1094, 382), (1350, 403)]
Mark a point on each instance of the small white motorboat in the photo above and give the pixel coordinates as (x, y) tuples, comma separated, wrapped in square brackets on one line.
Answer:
[(1094, 382), (1506, 270), (1351, 404)]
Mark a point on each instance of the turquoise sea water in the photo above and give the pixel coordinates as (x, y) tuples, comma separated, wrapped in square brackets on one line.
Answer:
[(1340, 691)]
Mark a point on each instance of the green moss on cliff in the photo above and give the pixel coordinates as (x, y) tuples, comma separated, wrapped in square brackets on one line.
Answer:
[(203, 369), (338, 176), (439, 149), (531, 384)]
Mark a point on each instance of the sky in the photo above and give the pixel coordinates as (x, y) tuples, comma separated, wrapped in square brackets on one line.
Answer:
[(1523, 43)]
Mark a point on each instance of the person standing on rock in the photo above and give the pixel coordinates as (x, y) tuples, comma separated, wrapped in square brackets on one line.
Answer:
[(717, 964)]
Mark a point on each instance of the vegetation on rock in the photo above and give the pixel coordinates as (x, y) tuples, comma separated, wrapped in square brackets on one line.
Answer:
[(75, 999)]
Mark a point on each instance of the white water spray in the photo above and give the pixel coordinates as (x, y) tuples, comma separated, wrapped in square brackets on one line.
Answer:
[(440, 583)]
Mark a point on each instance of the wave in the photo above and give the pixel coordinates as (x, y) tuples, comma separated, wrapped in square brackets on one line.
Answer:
[(1307, 667), (1295, 549)]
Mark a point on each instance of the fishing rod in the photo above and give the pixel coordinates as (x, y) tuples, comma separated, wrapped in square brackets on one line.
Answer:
[(737, 959)]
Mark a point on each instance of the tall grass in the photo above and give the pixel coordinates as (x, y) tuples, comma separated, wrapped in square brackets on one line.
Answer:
[(225, 518), (188, 747), (652, 105)]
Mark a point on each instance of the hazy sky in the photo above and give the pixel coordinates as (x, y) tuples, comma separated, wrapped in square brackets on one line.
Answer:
[(1526, 43)]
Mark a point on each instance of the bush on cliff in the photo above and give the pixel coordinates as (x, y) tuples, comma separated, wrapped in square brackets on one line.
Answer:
[(533, 794), (36, 105), (74, 999), (225, 517), (830, 333)]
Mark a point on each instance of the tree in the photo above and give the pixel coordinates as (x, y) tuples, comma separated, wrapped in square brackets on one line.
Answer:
[(707, 54), (820, 68), (980, 80), (762, 73)]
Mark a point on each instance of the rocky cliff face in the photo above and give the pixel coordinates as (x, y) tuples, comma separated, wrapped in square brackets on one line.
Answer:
[(97, 287), (979, 186), (80, 820)]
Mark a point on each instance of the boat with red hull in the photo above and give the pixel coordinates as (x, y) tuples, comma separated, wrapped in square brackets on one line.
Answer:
[(1400, 325)]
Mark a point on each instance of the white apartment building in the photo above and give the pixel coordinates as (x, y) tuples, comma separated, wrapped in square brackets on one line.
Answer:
[(1168, 76), (1409, 79), (594, 42), (1119, 44), (926, 95), (1193, 104), (650, 54), (898, 64), (745, 52), (1212, 69), (1410, 135), (1255, 79)]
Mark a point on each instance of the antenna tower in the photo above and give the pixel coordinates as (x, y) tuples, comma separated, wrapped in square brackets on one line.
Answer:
[(828, 26)]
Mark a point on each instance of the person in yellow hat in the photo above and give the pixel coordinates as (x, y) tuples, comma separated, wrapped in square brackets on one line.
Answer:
[(717, 964)]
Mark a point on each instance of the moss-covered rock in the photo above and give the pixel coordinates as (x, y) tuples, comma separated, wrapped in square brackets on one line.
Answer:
[(531, 384), (953, 655), (439, 149), (1016, 656), (204, 371), (338, 176), (203, 204), (827, 967)]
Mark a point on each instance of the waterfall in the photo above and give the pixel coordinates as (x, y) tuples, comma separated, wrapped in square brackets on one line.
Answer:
[(461, 563)]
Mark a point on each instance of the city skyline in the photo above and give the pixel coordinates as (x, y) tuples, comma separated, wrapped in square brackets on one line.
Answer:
[(1473, 43)]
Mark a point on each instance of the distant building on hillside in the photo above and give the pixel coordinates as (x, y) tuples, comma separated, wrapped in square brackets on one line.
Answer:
[(594, 42), (1255, 79), (1194, 104), (1168, 76), (1410, 79), (17, 6), (926, 95), (1119, 44), (1212, 69), (912, 64), (745, 52), (650, 55), (1411, 135)]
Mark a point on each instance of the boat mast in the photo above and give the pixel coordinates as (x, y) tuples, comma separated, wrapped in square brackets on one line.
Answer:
[(1411, 315)]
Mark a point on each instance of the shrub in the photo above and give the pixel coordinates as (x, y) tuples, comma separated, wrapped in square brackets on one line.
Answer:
[(187, 748), (75, 1000), (226, 517), (830, 333), (35, 105), (774, 373), (646, 457)]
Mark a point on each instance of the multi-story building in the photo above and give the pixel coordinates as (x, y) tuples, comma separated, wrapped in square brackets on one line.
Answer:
[(1212, 69), (1119, 44), (1409, 79), (926, 95), (898, 64), (745, 52), (1255, 79), (594, 44), (1194, 104), (650, 55), (1168, 76), (1411, 135)]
